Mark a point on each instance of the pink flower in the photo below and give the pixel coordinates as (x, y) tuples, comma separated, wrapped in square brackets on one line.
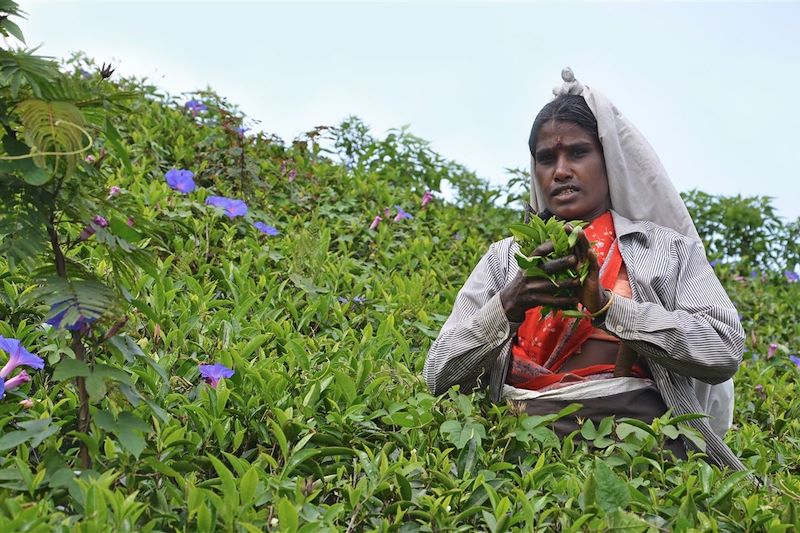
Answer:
[(771, 351), (114, 191), (17, 380), (426, 198), (100, 221), (27, 403), (130, 221), (760, 391), (375, 222), (91, 159)]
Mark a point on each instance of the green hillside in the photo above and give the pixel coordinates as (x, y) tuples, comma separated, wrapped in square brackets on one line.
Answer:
[(326, 423)]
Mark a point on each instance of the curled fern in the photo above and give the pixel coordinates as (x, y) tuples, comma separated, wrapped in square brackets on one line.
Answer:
[(54, 129)]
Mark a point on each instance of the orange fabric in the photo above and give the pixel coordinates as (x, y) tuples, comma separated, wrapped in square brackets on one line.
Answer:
[(543, 345)]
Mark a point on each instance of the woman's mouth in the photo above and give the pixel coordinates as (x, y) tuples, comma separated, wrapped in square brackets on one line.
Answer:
[(565, 192)]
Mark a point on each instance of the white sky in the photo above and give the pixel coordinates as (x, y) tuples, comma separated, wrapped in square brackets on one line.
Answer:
[(711, 85)]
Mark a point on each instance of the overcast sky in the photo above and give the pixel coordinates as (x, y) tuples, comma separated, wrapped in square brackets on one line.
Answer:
[(712, 86)]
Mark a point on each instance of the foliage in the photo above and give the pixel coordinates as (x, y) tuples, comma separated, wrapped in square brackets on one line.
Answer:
[(326, 424), (745, 230)]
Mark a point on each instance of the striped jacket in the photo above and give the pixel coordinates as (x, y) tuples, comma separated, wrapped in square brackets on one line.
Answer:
[(679, 318)]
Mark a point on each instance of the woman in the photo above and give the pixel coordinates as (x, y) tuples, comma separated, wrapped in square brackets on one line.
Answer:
[(650, 292)]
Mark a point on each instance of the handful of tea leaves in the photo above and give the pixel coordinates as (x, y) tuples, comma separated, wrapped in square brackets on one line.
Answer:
[(537, 232)]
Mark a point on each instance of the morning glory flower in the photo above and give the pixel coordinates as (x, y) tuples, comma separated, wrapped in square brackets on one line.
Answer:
[(771, 351), (794, 359), (265, 228), (195, 106), (213, 373), (401, 214), (16, 381), (17, 356), (233, 208), (375, 222), (791, 276), (426, 198), (180, 180)]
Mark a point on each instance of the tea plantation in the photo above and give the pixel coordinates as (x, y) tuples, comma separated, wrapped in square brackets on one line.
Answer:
[(148, 241)]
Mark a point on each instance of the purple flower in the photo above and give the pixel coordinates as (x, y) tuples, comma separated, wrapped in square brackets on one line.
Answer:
[(91, 159), (714, 263), (180, 180), (100, 221), (771, 351), (760, 391), (794, 359), (753, 274), (292, 175), (265, 228), (85, 73), (213, 373), (360, 300), (457, 236), (16, 381), (17, 356), (792, 276), (342, 300), (401, 214), (114, 191), (233, 208), (375, 222), (195, 106), (426, 198), (241, 130)]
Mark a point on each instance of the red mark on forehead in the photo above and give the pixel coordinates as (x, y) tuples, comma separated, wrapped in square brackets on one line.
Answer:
[(559, 144)]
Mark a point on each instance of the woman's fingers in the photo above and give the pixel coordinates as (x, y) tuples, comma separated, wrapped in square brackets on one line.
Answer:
[(547, 286), (562, 263), (543, 249)]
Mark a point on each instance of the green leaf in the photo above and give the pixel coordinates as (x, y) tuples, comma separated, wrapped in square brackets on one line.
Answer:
[(247, 486), (130, 431), (115, 141), (70, 368), (611, 491), (624, 521), (54, 129), (287, 515)]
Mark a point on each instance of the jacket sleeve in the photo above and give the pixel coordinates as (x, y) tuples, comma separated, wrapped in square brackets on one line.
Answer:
[(699, 336), (474, 333)]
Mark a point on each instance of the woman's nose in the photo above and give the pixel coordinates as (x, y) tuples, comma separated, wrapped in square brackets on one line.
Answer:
[(562, 169)]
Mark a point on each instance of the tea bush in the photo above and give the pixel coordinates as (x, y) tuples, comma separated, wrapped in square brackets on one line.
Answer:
[(321, 290)]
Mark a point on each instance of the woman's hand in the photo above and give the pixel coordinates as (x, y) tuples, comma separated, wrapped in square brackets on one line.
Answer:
[(592, 295), (525, 292)]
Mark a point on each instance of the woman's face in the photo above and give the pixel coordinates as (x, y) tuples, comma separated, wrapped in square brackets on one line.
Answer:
[(571, 171)]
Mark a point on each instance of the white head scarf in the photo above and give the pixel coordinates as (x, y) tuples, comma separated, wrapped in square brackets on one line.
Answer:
[(638, 184)]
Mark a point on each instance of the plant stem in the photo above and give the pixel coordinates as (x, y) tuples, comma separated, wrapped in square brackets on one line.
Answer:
[(77, 347)]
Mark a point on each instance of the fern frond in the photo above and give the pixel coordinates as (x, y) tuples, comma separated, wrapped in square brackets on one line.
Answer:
[(87, 298), (19, 68), (54, 129), (23, 234)]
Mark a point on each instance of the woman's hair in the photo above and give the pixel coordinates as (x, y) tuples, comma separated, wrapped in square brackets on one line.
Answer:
[(564, 108)]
